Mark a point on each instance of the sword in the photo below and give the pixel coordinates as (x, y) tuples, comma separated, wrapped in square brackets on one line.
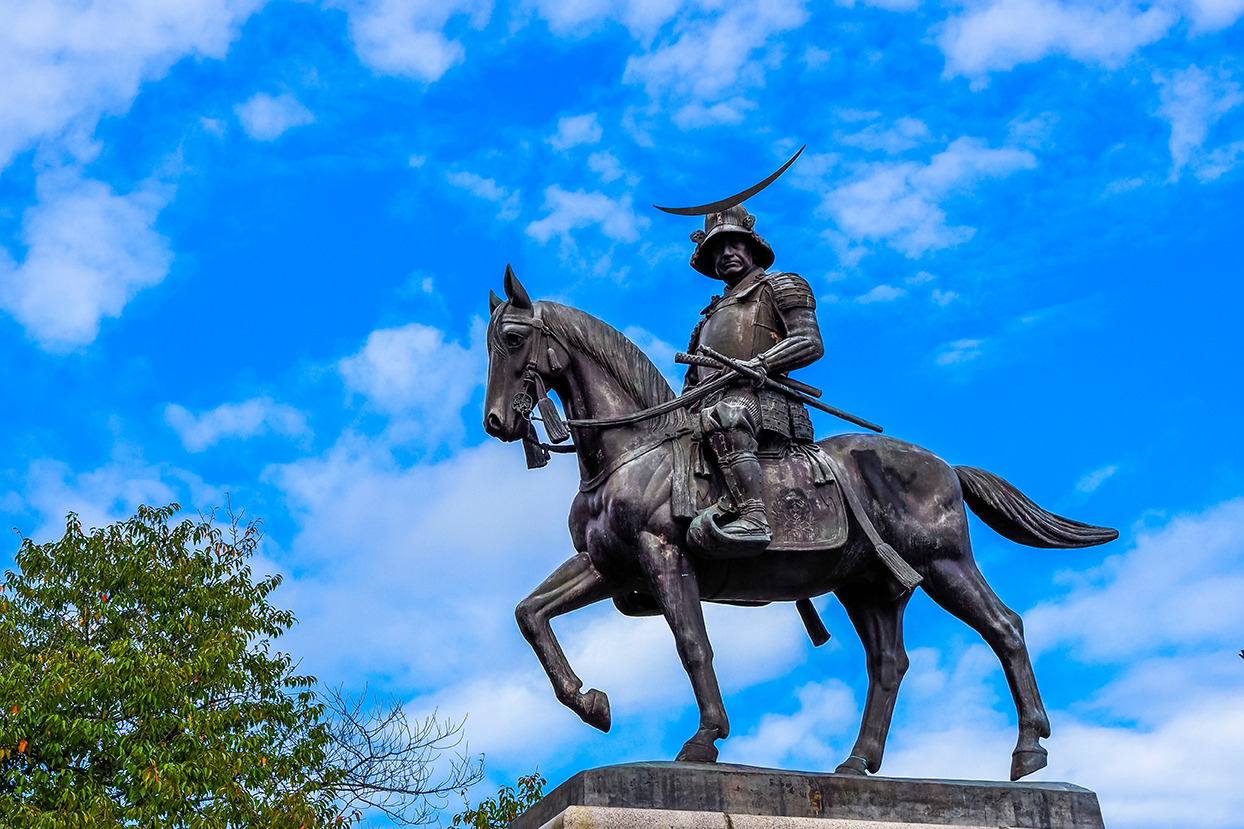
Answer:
[(708, 362), (765, 380)]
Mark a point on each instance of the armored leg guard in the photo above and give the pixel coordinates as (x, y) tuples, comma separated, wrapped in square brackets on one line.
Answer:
[(744, 530)]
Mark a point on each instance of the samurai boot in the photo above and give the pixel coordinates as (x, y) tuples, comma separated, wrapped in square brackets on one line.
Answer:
[(743, 529)]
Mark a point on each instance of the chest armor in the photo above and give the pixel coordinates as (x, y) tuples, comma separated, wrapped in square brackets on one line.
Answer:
[(744, 324)]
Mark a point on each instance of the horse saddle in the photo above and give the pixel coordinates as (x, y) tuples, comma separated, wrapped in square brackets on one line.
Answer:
[(803, 501)]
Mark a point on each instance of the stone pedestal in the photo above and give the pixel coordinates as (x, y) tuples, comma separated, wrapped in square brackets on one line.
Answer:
[(708, 796)]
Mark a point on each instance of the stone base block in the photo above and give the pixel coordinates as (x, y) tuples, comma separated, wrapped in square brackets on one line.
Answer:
[(718, 796)]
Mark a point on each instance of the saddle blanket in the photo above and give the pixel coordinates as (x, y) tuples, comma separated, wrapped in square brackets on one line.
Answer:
[(802, 500)]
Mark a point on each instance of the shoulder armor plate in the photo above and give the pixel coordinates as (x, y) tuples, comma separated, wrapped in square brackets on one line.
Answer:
[(790, 290)]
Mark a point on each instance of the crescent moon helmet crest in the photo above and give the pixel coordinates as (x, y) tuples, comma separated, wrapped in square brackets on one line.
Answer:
[(737, 198)]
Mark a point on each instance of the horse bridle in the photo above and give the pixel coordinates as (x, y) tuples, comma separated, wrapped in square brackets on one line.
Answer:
[(533, 392)]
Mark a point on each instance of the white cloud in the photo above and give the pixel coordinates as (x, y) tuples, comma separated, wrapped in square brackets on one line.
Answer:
[(1212, 15), (959, 351), (1178, 587), (696, 114), (710, 58), (406, 37), (1123, 185), (65, 63), (52, 489), (265, 118), (641, 18), (898, 201), (1192, 101), (247, 419), (1096, 478), (942, 298), (1129, 768), (569, 211), (1222, 160), (507, 201), (606, 165), (890, 5), (882, 293), (574, 130), (814, 735), (417, 378), (89, 250), (814, 58), (905, 134), (998, 35), (415, 572)]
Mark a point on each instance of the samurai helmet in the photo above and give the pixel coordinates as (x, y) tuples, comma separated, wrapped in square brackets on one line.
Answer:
[(734, 220), (729, 216)]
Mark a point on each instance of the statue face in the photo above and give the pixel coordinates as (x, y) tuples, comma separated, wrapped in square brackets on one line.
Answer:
[(732, 258)]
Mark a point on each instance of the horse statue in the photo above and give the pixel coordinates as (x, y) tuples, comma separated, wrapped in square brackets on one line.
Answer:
[(631, 436)]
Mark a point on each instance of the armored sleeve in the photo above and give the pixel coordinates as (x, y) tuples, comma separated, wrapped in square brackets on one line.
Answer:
[(791, 291), (796, 305)]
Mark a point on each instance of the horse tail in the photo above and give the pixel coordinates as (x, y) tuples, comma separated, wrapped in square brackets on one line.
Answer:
[(1012, 515)]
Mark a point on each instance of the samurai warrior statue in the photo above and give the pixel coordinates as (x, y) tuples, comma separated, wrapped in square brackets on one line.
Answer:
[(766, 320)]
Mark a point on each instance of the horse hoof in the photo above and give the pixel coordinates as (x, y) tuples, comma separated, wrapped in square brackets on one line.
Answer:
[(596, 710), (693, 752), (853, 766), (1024, 763)]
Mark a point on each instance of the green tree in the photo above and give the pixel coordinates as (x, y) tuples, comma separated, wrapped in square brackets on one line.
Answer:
[(138, 687), (500, 811)]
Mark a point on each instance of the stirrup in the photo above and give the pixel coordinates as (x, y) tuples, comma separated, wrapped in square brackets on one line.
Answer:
[(737, 537)]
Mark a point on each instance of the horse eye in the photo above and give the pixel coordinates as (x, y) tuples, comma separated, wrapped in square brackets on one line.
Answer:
[(513, 340)]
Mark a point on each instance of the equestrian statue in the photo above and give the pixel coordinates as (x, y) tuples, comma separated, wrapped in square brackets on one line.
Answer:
[(722, 494)]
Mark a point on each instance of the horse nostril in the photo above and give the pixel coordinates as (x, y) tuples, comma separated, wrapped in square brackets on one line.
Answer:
[(492, 423)]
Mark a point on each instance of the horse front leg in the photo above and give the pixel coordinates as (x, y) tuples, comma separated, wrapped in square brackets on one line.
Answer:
[(574, 585), (673, 583)]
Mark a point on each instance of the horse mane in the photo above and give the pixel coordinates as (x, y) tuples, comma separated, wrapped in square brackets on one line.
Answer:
[(616, 354)]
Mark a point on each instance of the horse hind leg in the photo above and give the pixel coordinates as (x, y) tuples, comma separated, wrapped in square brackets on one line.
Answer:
[(574, 585), (957, 585), (879, 621)]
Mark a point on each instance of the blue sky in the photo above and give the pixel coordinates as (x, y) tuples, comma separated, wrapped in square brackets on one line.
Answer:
[(245, 248)]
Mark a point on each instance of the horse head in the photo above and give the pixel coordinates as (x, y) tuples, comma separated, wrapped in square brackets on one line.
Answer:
[(521, 356)]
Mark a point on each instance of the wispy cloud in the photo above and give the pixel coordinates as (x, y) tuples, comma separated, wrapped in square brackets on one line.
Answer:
[(416, 377), (1192, 101), (250, 418), (574, 130), (712, 58), (571, 210), (882, 293), (66, 63), (905, 134), (959, 351), (407, 37), (507, 200), (1179, 585), (265, 117), (1096, 478), (52, 489), (998, 35), (899, 202)]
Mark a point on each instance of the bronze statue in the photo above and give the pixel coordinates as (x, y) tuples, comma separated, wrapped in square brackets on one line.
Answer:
[(777, 518)]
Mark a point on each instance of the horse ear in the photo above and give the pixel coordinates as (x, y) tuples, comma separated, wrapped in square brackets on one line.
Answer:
[(515, 291), (493, 301)]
